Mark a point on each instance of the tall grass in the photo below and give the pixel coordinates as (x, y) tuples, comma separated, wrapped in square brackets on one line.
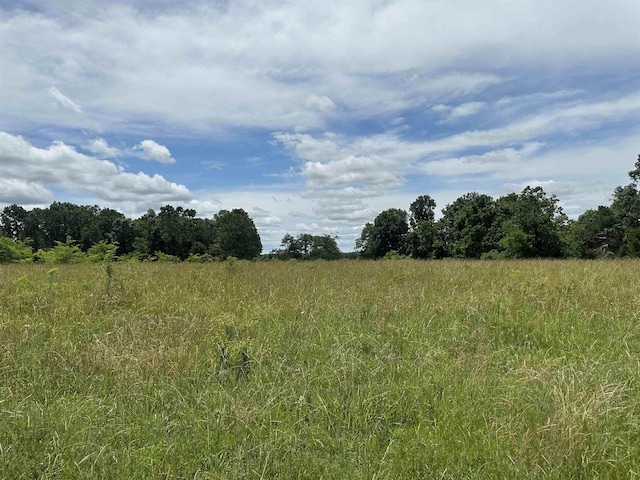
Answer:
[(396, 369)]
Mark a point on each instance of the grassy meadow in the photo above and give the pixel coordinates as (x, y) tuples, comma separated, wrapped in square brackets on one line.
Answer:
[(336, 370)]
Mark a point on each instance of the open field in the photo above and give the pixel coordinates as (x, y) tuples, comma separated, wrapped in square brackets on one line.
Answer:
[(392, 369)]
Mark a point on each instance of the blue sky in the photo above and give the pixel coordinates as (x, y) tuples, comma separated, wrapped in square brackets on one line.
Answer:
[(314, 116)]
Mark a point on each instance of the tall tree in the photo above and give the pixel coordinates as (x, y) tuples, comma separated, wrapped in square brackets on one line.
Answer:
[(14, 220), (422, 210), (236, 235), (596, 232), (388, 232), (422, 235), (467, 225), (534, 220)]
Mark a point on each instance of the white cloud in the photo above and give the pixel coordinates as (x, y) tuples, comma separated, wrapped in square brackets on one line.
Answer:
[(307, 147), (150, 150), (319, 102), (461, 111), (101, 148), (368, 171), (492, 161), (24, 193), (63, 100), (62, 166)]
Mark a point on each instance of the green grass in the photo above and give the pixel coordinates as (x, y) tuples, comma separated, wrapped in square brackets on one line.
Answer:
[(396, 369)]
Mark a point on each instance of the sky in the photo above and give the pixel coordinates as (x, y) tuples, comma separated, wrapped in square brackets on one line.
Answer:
[(315, 116)]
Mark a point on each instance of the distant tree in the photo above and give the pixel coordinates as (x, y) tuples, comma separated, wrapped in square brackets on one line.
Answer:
[(325, 247), (13, 222), (516, 243), (626, 207), (174, 228), (467, 226), (635, 173), (367, 243), (388, 232), (236, 235), (422, 210), (596, 232), (147, 235), (422, 239), (308, 247), (422, 229), (290, 247), (534, 216)]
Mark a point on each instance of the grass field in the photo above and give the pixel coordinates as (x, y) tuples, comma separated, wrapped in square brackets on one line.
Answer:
[(390, 369)]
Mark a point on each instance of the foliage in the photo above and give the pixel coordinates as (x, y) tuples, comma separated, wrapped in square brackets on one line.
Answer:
[(12, 251), (388, 232), (631, 247), (597, 232), (516, 243), (174, 231), (467, 225), (422, 211), (308, 247), (63, 252), (236, 235), (102, 252)]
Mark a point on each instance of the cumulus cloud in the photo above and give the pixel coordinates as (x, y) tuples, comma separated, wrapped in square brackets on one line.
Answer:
[(352, 170), (307, 147), (64, 101), (24, 193), (62, 166), (150, 150), (491, 161), (319, 102), (101, 148)]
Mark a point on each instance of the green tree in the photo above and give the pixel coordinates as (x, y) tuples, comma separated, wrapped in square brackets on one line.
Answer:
[(308, 247), (635, 173), (102, 252), (367, 243), (388, 232), (467, 226), (537, 216), (14, 251), (626, 207), (325, 247), (516, 243), (631, 247), (147, 235), (14, 222), (236, 235), (63, 252), (596, 232), (422, 210)]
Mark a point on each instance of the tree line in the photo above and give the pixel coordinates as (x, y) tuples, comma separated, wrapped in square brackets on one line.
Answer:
[(65, 232), (69, 233), (530, 224)]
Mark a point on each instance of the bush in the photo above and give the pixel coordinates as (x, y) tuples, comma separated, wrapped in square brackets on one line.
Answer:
[(63, 252), (102, 252), (14, 251)]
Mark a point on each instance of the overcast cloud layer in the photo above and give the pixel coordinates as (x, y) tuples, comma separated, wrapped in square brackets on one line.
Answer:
[(314, 116)]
